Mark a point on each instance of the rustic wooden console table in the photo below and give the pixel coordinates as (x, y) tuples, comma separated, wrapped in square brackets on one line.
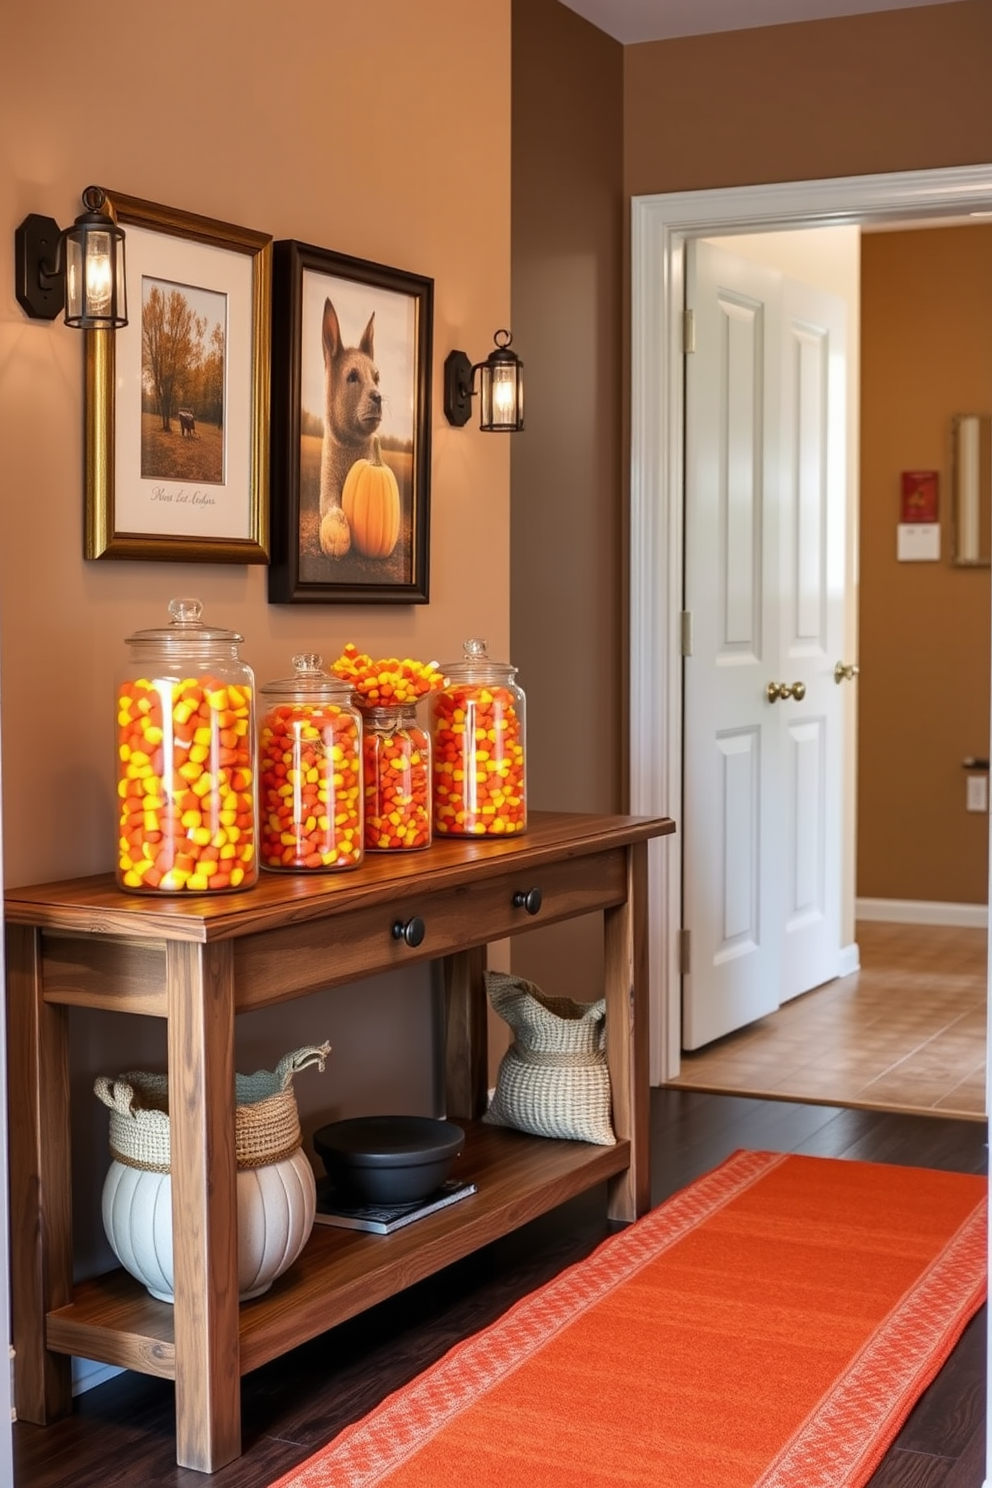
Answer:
[(197, 963)]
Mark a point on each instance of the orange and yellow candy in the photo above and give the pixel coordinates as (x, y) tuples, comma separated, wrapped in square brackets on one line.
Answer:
[(388, 682), (397, 763), (478, 762), (185, 785), (310, 787)]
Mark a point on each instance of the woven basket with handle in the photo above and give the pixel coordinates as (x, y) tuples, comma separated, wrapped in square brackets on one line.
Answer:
[(266, 1119)]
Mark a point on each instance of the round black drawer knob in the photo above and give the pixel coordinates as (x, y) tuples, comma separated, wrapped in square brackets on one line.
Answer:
[(411, 931), (528, 899)]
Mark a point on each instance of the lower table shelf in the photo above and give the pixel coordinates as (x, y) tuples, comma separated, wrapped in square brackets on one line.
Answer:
[(113, 1320)]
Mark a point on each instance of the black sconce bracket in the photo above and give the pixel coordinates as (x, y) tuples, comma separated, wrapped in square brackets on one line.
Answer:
[(458, 371), (38, 275)]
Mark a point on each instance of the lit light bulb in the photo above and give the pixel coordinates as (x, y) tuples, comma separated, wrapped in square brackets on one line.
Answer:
[(99, 276), (504, 396)]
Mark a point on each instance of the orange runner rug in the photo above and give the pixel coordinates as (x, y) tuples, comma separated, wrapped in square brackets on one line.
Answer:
[(770, 1326)]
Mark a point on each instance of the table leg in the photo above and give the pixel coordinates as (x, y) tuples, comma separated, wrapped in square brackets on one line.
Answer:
[(466, 1063), (40, 1178), (200, 989), (626, 974)]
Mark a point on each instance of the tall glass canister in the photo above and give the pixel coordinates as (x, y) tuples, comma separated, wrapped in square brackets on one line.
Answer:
[(310, 772), (186, 759), (478, 730)]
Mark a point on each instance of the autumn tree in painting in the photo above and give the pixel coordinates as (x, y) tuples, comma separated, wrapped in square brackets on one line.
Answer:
[(171, 347)]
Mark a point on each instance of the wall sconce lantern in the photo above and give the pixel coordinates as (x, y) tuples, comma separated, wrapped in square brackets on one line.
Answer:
[(79, 270), (501, 388)]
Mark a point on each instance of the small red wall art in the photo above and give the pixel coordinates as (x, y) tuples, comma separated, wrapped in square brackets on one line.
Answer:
[(919, 496)]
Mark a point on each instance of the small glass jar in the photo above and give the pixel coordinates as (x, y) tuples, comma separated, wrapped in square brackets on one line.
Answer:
[(478, 725), (397, 770), (310, 772), (186, 760)]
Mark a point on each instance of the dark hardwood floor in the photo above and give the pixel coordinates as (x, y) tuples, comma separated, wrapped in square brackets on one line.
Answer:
[(120, 1435)]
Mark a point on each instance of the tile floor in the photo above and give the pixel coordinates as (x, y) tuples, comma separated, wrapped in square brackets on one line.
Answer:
[(907, 1032)]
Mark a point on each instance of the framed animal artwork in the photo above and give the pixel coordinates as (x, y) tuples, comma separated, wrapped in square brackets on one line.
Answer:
[(177, 402), (350, 437)]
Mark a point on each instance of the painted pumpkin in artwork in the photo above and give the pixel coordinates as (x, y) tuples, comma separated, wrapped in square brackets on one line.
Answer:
[(371, 502)]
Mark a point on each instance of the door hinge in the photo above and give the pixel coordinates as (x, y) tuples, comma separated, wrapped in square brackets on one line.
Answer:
[(688, 331), (685, 632), (685, 938)]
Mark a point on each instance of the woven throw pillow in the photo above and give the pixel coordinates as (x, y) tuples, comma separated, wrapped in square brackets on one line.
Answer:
[(553, 1080)]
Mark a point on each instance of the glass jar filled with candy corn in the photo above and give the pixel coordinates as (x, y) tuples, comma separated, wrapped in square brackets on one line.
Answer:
[(186, 759), (479, 748), (396, 749), (310, 772), (397, 770)]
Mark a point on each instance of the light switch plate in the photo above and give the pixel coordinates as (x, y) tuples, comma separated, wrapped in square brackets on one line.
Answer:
[(978, 793), (918, 542)]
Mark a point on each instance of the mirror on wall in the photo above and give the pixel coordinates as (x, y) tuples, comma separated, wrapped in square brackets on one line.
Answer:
[(971, 448)]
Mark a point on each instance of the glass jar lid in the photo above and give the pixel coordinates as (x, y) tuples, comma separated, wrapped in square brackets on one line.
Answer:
[(309, 683), (187, 627), (476, 665)]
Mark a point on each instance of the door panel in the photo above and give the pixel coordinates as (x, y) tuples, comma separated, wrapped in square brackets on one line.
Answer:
[(739, 410), (764, 530), (740, 814)]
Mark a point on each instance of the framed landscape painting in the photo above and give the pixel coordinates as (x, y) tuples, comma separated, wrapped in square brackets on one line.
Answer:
[(351, 397), (177, 402)]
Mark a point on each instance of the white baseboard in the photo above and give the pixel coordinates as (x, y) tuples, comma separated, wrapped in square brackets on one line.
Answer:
[(849, 959), (87, 1374), (923, 912)]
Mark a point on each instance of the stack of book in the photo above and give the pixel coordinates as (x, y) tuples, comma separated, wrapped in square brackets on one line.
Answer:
[(383, 1219)]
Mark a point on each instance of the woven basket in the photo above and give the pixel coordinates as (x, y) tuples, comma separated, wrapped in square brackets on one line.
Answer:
[(553, 1081), (266, 1119)]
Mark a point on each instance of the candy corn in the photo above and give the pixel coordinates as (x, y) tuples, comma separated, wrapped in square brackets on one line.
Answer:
[(185, 784), (310, 789), (478, 767)]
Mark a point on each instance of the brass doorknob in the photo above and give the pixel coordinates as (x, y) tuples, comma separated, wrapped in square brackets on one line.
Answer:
[(844, 673), (776, 690)]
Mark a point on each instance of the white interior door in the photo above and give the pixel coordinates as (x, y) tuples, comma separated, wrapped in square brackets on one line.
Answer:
[(763, 540)]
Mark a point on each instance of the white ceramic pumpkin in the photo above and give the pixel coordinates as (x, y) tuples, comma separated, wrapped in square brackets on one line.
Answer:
[(276, 1207)]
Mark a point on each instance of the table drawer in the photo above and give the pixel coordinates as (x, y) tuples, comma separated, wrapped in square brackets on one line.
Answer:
[(336, 949)]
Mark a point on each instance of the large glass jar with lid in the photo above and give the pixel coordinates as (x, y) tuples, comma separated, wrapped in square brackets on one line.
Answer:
[(186, 759), (478, 729), (310, 772)]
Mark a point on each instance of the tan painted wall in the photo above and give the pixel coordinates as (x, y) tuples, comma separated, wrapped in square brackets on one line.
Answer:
[(317, 122), (924, 684), (568, 532)]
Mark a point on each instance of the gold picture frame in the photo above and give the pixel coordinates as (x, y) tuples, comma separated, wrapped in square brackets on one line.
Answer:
[(192, 483)]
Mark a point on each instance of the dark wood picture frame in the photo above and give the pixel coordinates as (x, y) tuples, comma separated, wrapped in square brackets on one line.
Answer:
[(359, 334)]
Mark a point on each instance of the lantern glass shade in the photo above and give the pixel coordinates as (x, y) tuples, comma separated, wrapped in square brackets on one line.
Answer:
[(501, 392), (95, 293)]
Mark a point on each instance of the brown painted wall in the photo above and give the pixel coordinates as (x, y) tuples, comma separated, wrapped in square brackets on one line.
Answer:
[(891, 91), (926, 354), (567, 534)]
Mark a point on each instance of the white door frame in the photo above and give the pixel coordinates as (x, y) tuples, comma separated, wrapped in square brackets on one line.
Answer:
[(659, 227)]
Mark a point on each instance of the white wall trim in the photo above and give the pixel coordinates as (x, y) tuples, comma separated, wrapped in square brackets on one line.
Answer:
[(87, 1374), (923, 912), (659, 227), (849, 960)]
